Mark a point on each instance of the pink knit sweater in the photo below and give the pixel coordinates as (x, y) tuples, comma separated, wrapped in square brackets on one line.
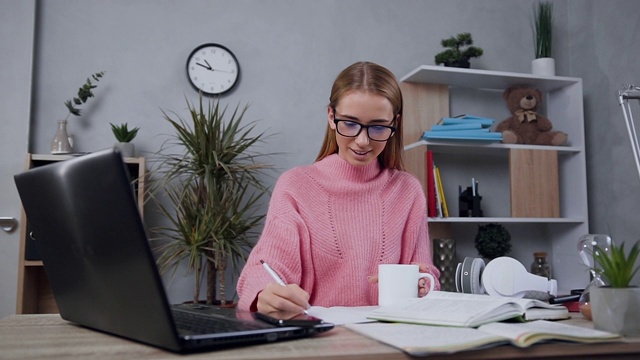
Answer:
[(330, 224)]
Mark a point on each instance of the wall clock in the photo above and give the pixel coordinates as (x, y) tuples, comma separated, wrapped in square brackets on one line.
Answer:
[(212, 69)]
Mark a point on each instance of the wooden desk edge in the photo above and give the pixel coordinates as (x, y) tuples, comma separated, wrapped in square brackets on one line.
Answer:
[(44, 335)]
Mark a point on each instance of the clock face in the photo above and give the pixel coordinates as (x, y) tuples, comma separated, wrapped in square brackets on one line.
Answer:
[(212, 69)]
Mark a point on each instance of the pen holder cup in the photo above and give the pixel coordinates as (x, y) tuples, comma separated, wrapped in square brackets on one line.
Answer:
[(469, 205)]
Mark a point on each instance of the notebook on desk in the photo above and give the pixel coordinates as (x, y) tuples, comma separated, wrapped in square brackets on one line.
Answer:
[(103, 275)]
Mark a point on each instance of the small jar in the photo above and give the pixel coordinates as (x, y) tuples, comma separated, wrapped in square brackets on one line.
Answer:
[(540, 266)]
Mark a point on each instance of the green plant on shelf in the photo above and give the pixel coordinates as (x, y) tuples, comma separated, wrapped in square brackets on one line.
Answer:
[(122, 132)]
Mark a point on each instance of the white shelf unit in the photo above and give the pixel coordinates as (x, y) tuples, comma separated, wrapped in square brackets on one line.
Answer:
[(433, 92)]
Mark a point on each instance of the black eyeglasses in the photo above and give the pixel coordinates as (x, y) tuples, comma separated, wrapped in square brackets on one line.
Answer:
[(350, 128)]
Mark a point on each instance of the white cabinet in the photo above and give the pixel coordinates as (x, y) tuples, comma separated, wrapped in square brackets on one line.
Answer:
[(432, 92)]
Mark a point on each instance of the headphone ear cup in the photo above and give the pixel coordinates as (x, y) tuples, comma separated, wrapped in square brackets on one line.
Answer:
[(459, 278), (476, 276), (469, 276)]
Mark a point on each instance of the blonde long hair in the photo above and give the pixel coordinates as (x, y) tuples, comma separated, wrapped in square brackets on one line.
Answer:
[(372, 79)]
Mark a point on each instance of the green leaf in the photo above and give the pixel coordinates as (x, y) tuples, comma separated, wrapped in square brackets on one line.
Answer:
[(84, 93), (122, 133), (615, 266)]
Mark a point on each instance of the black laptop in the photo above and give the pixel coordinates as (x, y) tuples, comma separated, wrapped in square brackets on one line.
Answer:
[(103, 275)]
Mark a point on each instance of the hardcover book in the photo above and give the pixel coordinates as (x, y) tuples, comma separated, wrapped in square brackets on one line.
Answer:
[(421, 340), (467, 310)]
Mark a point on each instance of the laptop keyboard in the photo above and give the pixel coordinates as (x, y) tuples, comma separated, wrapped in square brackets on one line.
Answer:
[(205, 324)]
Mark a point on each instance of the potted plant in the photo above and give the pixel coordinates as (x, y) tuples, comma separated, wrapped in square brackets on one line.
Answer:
[(543, 64), (124, 137), (615, 307), (208, 189), (459, 51), (492, 241), (61, 143)]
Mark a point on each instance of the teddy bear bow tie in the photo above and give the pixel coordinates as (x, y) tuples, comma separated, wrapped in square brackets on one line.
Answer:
[(528, 114)]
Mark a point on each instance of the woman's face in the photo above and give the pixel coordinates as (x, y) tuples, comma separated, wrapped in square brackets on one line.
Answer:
[(360, 108)]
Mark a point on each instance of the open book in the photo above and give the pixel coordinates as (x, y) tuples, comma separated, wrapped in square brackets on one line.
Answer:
[(420, 340), (466, 310)]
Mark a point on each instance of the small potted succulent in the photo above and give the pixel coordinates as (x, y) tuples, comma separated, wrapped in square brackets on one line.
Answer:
[(61, 143), (459, 51), (124, 135), (615, 307)]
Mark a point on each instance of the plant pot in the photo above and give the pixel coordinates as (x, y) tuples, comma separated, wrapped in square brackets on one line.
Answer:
[(61, 143), (458, 64), (543, 67), (616, 310), (126, 149)]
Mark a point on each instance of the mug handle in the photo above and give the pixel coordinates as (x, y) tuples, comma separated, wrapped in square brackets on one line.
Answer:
[(432, 282)]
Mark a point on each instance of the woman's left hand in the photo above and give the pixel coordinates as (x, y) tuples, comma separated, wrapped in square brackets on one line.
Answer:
[(423, 283)]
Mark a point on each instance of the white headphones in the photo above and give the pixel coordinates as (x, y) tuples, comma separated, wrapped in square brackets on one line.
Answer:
[(502, 276)]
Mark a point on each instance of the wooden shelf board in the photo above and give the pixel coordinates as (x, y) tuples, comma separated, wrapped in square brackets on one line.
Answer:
[(485, 79)]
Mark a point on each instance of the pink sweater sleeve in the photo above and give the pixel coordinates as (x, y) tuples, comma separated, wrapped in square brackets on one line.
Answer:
[(279, 245)]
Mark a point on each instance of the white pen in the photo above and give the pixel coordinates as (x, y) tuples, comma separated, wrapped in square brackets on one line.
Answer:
[(272, 273), (277, 278)]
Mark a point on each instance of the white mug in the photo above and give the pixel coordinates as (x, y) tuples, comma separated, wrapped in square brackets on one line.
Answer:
[(399, 281)]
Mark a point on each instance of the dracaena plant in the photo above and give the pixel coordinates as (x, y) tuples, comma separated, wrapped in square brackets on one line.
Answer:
[(616, 267), (209, 190)]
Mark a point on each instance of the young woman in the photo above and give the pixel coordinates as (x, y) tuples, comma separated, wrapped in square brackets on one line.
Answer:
[(330, 224)]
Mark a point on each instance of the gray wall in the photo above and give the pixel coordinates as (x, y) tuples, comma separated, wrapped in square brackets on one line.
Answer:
[(290, 52)]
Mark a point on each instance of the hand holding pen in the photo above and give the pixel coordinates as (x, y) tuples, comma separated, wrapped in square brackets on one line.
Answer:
[(280, 297)]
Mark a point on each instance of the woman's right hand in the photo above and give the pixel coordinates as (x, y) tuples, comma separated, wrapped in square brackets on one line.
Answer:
[(277, 299)]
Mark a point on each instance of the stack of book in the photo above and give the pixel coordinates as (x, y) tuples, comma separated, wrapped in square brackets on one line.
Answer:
[(436, 201), (464, 127)]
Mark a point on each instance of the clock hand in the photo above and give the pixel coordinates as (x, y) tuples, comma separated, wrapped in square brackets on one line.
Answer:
[(208, 67), (221, 70)]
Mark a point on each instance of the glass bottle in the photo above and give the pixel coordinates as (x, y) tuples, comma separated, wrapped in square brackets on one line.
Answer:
[(540, 266)]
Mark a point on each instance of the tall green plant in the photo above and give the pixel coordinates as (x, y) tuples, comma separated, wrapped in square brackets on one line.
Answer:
[(210, 191), (543, 28)]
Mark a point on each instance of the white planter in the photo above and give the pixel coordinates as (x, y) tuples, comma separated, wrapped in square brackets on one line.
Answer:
[(126, 149), (543, 67), (616, 310)]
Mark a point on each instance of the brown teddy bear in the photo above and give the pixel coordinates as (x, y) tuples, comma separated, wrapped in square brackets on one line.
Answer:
[(525, 125)]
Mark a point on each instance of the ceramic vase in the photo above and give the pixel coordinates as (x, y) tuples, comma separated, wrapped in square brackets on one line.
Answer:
[(616, 310), (543, 67), (60, 143), (126, 149), (444, 258)]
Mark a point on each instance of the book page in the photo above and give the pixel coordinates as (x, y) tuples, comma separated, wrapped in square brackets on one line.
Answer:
[(421, 340), (340, 315), (461, 309), (450, 309), (526, 334)]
